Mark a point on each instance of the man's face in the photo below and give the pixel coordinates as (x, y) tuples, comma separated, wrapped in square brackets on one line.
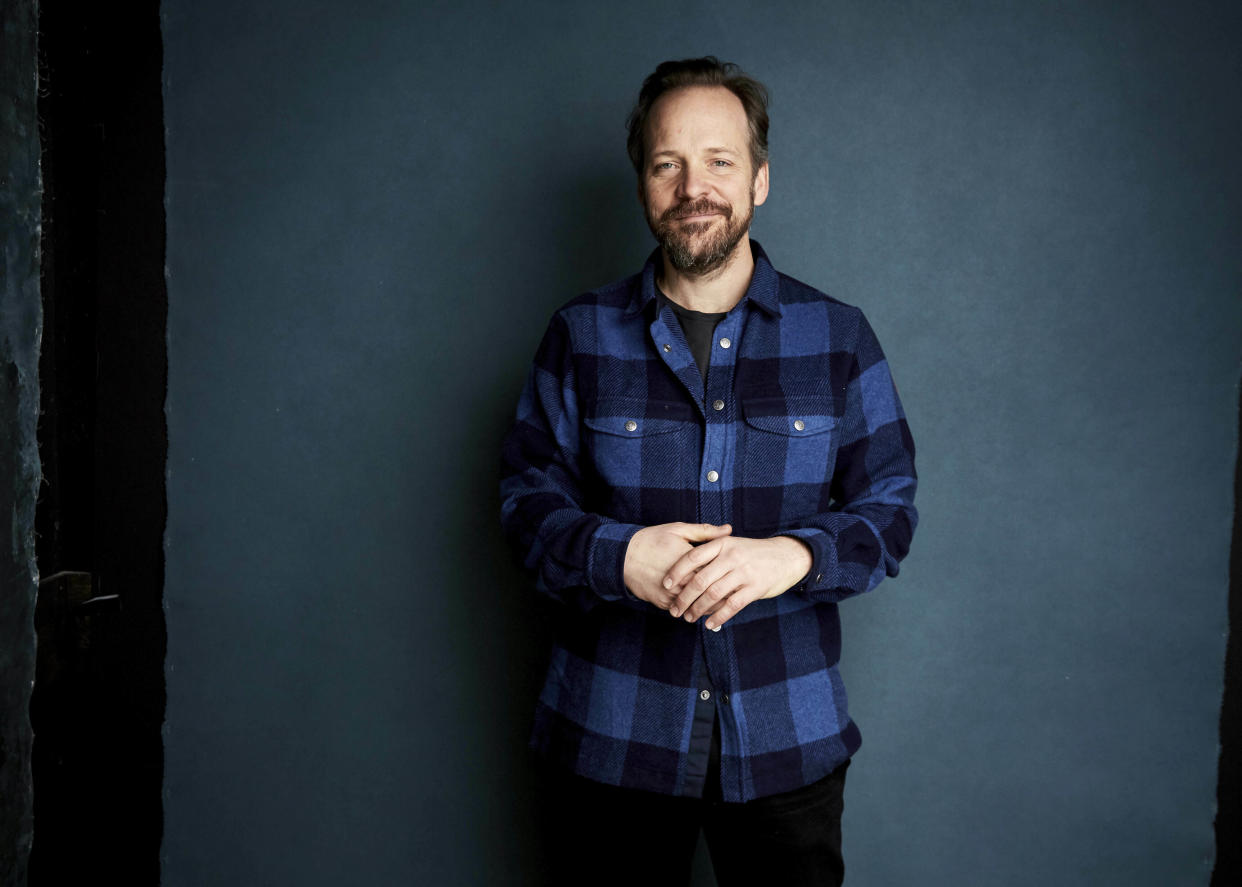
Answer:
[(697, 186)]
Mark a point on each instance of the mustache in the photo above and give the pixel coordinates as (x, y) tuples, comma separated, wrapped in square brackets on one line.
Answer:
[(695, 208)]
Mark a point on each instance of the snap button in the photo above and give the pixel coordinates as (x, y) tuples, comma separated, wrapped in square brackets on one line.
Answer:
[(717, 405), (631, 425), (667, 348), (725, 343), (705, 695), (712, 477), (799, 425)]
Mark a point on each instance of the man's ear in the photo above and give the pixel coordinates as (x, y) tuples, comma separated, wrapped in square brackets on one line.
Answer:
[(761, 184)]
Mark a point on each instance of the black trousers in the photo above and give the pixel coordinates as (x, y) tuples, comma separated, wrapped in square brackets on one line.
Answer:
[(604, 835)]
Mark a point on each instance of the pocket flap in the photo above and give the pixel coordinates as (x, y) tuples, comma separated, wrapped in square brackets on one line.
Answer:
[(631, 417), (793, 416)]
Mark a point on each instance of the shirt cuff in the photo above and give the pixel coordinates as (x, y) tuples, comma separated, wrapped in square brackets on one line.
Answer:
[(822, 554), (606, 560)]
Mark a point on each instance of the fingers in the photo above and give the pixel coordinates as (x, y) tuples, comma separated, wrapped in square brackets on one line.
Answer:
[(701, 577), (717, 579), (731, 606), (696, 585), (691, 561), (715, 591), (702, 532)]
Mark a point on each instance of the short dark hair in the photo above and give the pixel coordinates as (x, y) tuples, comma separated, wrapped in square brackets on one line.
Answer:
[(707, 71)]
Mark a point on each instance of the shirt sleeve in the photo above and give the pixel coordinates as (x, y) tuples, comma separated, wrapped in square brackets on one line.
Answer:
[(576, 556), (871, 519)]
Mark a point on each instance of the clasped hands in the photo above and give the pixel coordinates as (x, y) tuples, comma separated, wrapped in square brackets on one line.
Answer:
[(715, 578)]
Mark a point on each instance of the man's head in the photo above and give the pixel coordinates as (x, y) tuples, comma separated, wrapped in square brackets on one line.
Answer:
[(698, 139), (707, 71)]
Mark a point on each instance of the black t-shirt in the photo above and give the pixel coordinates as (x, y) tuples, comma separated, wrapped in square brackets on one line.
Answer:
[(699, 328)]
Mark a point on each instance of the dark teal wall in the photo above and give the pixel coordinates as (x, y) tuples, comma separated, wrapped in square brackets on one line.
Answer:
[(374, 206)]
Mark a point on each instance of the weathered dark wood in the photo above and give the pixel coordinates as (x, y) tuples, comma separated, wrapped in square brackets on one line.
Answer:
[(19, 409)]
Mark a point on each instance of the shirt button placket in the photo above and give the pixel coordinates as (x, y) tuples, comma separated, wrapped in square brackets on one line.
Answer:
[(713, 506)]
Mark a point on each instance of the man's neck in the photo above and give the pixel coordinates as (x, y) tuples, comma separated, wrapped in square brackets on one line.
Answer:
[(715, 292)]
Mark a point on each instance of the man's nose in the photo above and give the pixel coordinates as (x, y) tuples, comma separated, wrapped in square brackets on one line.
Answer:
[(692, 184)]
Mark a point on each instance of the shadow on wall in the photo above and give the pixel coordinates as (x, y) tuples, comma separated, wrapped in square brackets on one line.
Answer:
[(596, 235), (1229, 769)]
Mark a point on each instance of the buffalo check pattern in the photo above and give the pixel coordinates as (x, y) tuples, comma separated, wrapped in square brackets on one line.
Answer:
[(798, 431)]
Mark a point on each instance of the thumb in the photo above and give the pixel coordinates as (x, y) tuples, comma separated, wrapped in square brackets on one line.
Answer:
[(704, 532)]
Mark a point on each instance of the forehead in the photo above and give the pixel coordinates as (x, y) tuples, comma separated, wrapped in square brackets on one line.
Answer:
[(702, 116)]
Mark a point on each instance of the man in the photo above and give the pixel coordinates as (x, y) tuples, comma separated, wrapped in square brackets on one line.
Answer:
[(707, 457)]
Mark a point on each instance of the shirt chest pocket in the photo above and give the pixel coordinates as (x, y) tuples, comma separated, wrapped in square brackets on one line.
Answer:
[(787, 452), (639, 458)]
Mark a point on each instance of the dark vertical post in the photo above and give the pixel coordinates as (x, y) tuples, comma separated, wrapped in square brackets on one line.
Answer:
[(19, 409), (98, 703)]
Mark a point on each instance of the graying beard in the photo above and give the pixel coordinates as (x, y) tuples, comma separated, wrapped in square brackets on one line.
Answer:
[(681, 258)]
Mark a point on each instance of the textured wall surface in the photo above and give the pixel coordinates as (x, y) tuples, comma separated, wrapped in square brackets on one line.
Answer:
[(20, 313), (373, 208)]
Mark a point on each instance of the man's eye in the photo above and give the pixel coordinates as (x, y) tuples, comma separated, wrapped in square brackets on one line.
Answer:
[(667, 164), (721, 163)]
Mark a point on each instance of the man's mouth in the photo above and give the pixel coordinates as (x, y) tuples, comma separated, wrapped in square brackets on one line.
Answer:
[(696, 213)]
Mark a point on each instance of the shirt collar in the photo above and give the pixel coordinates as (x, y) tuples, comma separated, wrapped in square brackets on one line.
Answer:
[(764, 289)]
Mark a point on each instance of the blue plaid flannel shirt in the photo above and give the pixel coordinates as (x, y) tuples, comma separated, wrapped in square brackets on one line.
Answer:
[(801, 429)]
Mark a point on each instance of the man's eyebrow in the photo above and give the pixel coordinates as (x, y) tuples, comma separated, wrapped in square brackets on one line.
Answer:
[(717, 150)]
